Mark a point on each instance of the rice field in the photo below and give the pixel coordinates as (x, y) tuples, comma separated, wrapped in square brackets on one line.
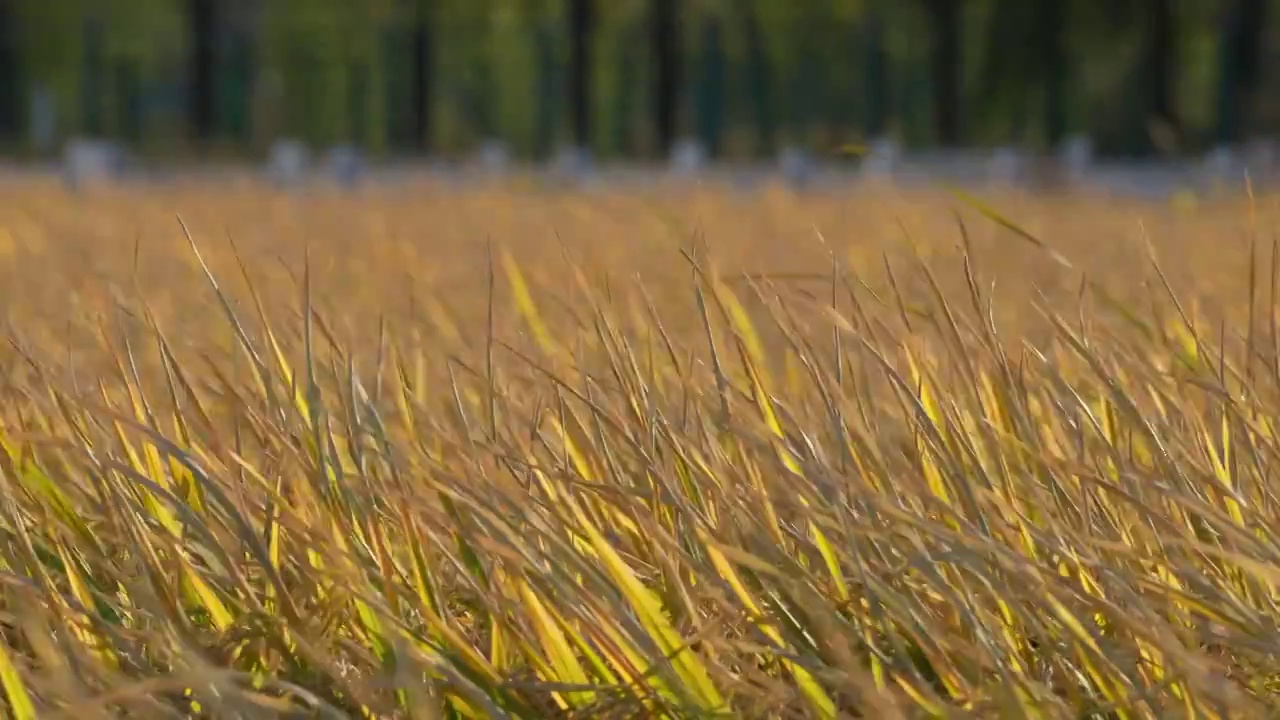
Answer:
[(509, 451)]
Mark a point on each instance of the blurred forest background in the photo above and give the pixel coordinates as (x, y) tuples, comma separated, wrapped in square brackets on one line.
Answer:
[(628, 78)]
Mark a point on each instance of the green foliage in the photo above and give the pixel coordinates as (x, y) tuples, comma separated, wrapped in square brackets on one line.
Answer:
[(330, 70)]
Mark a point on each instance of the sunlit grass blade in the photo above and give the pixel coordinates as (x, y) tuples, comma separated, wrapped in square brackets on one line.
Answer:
[(20, 705), (818, 699), (696, 680)]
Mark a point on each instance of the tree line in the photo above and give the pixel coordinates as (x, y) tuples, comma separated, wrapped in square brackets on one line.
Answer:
[(631, 77)]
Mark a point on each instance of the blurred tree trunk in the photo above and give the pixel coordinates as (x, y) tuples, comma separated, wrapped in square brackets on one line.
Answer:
[(759, 81), (10, 76), (1162, 62), (91, 77), (422, 63), (129, 99), (877, 75), (1051, 36), (581, 26), (665, 39), (1240, 68), (546, 114), (202, 25), (480, 103), (397, 85), (358, 92), (626, 74), (944, 26), (238, 83), (808, 72), (711, 85)]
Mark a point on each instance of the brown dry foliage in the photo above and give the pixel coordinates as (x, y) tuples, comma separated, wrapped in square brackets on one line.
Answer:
[(757, 454)]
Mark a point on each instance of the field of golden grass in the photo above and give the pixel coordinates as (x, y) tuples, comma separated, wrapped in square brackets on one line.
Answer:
[(425, 452)]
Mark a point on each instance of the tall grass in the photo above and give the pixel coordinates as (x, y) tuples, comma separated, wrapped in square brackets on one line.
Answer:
[(861, 498)]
